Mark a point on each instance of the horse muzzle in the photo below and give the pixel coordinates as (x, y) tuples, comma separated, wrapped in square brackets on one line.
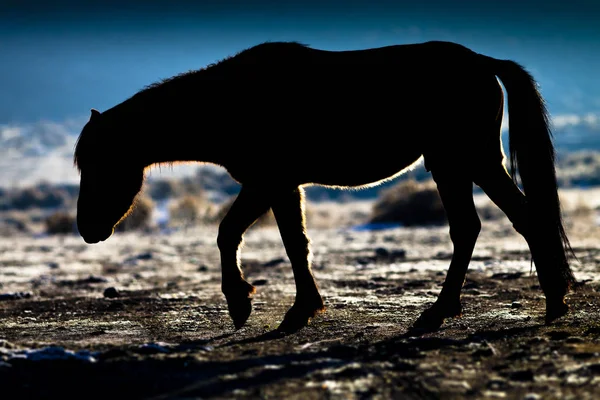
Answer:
[(95, 235)]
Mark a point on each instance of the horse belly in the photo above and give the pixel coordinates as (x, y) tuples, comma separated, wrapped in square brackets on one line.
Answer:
[(362, 165)]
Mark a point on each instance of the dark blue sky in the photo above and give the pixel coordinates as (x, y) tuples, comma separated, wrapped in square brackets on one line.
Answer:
[(58, 58)]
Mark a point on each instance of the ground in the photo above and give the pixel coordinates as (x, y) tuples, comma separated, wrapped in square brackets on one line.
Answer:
[(142, 316)]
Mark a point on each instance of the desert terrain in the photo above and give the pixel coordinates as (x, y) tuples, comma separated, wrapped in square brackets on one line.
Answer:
[(141, 316)]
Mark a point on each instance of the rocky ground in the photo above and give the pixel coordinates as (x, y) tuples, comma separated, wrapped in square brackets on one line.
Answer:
[(142, 316)]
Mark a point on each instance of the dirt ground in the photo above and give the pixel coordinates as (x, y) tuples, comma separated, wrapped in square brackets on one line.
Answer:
[(142, 317)]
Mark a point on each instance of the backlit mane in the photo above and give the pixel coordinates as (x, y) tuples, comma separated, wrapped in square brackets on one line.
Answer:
[(194, 73)]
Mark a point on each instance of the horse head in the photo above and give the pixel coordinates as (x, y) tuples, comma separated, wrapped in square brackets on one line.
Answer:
[(109, 179)]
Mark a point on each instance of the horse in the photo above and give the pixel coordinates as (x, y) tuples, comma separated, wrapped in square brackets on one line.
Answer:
[(281, 116)]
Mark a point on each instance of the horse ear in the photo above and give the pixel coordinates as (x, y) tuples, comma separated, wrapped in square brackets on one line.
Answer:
[(95, 113)]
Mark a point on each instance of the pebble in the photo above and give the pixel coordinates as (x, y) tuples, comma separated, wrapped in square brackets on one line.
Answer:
[(522, 376), (111, 293), (144, 256), (382, 252), (455, 385), (532, 396), (496, 383), (385, 253), (275, 262), (94, 279), (494, 394)]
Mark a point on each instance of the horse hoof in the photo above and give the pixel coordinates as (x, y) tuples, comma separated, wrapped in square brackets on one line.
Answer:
[(298, 317), (555, 311), (425, 324), (240, 311), (432, 318), (240, 304)]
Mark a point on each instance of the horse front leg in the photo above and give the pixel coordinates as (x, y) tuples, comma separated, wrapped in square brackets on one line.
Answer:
[(288, 208), (249, 205), (456, 193)]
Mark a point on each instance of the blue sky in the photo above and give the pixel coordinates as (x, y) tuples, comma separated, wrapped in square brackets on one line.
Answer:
[(61, 58)]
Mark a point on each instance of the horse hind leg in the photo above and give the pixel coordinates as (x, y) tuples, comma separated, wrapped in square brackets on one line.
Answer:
[(456, 192), (250, 204), (288, 209), (546, 247)]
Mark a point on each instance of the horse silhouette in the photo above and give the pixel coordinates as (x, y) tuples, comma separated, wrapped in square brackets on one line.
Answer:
[(280, 116)]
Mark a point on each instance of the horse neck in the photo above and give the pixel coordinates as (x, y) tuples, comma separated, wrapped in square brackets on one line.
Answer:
[(158, 136)]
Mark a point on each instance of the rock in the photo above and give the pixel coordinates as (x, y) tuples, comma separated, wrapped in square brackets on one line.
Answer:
[(516, 304), (585, 355), (558, 335), (455, 385), (275, 262), (15, 296), (111, 293), (152, 348), (382, 252), (518, 355), (470, 285), (494, 394), (525, 375), (593, 330), (496, 383), (574, 339), (203, 268), (398, 253), (93, 279), (53, 265), (537, 340), (595, 368), (52, 353), (484, 352), (532, 396), (112, 353), (144, 256), (260, 282), (507, 275), (398, 364), (342, 351)]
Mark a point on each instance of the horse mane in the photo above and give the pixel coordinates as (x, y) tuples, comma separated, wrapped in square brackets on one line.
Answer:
[(268, 45)]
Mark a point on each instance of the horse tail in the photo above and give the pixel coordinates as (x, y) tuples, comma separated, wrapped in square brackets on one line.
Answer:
[(532, 154)]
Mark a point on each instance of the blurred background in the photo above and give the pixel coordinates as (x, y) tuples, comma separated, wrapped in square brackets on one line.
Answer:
[(59, 59)]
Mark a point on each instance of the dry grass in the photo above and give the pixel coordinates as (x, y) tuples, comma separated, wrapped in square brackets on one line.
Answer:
[(60, 223), (410, 203), (140, 217), (190, 210), (267, 219)]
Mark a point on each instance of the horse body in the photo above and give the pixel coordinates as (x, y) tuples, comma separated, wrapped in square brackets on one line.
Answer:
[(280, 116), (310, 103)]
